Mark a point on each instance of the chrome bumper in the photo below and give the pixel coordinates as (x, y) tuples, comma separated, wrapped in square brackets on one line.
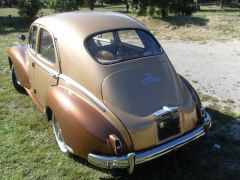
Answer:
[(130, 160)]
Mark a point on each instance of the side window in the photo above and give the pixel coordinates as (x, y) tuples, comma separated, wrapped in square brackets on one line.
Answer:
[(103, 39), (33, 38), (46, 46), (130, 37)]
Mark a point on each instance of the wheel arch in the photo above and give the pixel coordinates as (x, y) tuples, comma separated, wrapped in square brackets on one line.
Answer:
[(48, 112), (17, 57), (10, 62), (194, 94), (81, 123)]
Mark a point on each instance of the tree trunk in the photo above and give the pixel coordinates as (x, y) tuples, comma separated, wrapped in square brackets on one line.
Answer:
[(199, 3), (221, 3), (127, 6), (164, 12), (91, 5)]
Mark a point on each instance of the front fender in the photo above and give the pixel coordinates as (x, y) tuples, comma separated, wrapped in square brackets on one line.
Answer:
[(85, 128), (17, 55)]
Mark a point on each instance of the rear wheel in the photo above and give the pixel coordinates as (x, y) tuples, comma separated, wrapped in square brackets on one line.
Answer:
[(16, 83), (59, 137)]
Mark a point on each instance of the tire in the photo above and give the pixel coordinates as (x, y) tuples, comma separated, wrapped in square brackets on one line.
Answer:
[(59, 136), (16, 82)]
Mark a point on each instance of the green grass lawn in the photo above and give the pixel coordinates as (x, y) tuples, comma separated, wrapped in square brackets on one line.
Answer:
[(28, 149)]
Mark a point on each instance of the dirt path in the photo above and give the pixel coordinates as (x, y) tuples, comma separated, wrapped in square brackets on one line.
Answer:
[(212, 68)]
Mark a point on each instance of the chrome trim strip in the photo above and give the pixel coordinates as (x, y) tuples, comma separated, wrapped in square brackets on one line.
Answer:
[(84, 91), (165, 110), (70, 81), (131, 159)]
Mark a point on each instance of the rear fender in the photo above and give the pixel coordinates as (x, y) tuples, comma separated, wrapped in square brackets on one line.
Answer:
[(17, 56), (85, 128)]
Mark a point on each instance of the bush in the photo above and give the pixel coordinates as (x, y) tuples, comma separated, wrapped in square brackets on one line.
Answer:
[(183, 7), (62, 5), (151, 11), (163, 7), (142, 8), (29, 8)]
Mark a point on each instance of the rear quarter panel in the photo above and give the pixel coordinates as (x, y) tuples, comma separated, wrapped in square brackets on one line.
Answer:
[(85, 128)]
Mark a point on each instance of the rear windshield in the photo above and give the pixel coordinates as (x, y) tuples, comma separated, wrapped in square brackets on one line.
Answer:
[(122, 45)]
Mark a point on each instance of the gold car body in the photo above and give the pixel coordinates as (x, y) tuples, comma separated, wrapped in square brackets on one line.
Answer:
[(84, 96)]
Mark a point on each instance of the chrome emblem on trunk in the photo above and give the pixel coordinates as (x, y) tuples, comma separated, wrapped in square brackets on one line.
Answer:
[(167, 112), (149, 79), (161, 125)]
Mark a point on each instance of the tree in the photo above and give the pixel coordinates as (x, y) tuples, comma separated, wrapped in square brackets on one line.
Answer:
[(163, 6), (221, 2), (29, 8), (91, 4), (62, 5), (9, 3), (127, 5), (142, 4)]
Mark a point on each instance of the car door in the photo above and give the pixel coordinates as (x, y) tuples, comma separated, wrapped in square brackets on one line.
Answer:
[(45, 65), (31, 54)]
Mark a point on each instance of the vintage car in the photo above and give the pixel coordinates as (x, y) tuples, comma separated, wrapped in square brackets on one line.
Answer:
[(108, 88)]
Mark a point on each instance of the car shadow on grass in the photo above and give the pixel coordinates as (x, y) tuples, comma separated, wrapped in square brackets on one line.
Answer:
[(186, 20), (11, 24), (210, 157)]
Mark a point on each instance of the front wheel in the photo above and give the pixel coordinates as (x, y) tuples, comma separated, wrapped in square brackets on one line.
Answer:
[(16, 83)]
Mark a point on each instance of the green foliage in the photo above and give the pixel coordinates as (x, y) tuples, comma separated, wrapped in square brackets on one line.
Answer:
[(29, 8), (142, 7), (133, 5), (151, 11), (9, 3), (182, 7), (90, 3), (163, 7), (62, 5)]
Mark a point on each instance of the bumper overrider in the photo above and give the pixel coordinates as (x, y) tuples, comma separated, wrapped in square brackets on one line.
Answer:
[(130, 160)]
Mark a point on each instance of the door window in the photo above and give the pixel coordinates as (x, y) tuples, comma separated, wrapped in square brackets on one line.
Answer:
[(46, 45), (33, 38)]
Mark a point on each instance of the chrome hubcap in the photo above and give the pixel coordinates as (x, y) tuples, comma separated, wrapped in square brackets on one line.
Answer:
[(58, 135)]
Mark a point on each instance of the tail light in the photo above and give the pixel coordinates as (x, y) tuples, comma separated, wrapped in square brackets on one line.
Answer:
[(116, 144)]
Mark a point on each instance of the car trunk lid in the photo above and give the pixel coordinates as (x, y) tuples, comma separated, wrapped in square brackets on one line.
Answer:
[(134, 94)]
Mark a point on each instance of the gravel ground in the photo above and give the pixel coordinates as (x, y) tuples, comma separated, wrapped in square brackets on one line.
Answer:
[(212, 68)]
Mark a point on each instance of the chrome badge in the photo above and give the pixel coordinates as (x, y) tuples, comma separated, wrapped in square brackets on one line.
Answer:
[(149, 79)]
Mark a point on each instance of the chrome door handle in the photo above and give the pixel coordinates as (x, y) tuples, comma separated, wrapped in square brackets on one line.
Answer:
[(54, 75)]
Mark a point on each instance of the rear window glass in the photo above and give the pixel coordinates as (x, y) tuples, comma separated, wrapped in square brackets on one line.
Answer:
[(122, 45)]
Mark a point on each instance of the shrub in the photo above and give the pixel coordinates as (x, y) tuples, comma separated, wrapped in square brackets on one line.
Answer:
[(62, 5), (29, 8)]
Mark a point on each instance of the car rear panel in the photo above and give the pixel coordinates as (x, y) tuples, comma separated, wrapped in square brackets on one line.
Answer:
[(135, 93)]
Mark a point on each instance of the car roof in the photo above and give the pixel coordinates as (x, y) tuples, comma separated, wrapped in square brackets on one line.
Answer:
[(86, 23)]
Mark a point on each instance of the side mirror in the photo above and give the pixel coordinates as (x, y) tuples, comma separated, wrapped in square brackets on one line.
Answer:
[(22, 37)]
